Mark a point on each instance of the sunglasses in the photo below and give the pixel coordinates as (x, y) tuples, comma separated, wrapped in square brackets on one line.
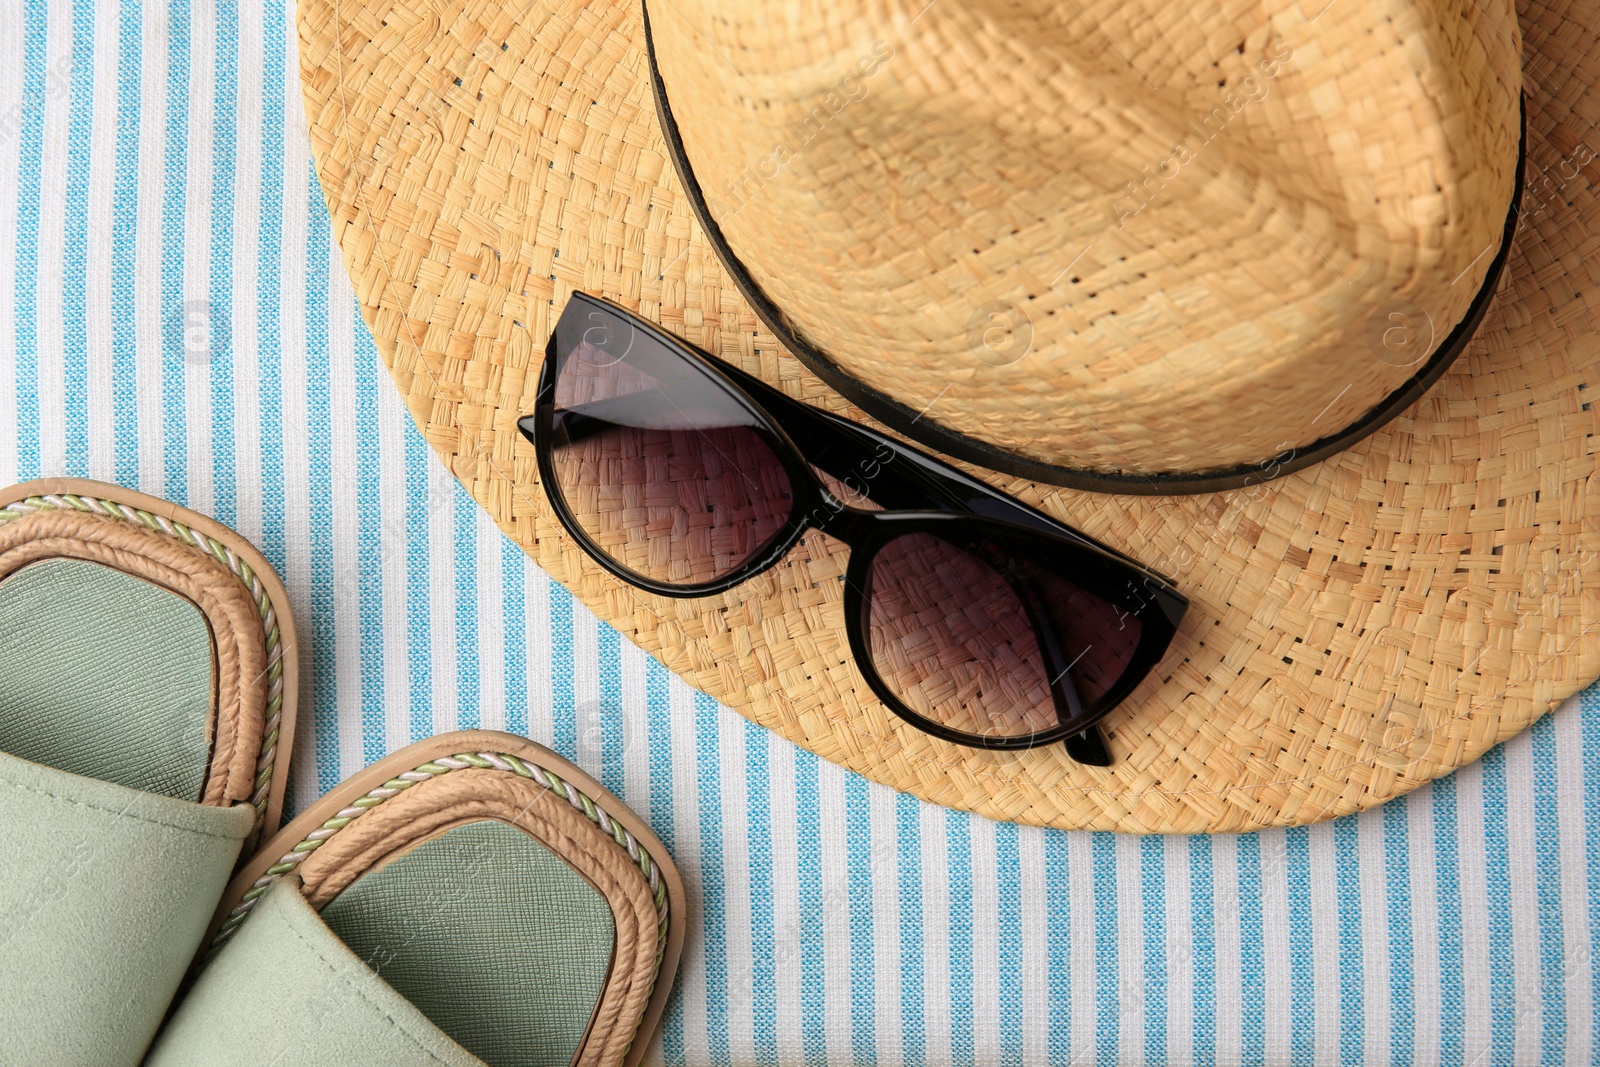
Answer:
[(971, 615)]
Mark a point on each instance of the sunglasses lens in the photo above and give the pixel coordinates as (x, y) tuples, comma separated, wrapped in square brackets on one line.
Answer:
[(955, 633), (662, 467)]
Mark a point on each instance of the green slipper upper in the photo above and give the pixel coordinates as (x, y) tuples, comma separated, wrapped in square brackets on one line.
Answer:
[(286, 991), (479, 946), (105, 675), (104, 896), (465, 925), (113, 869)]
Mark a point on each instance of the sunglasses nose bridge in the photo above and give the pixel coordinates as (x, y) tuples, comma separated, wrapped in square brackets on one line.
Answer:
[(838, 519)]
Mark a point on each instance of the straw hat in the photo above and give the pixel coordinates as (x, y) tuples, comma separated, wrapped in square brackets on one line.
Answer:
[(1128, 253)]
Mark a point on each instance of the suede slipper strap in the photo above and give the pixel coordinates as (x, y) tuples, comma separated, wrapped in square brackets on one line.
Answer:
[(104, 896), (285, 990)]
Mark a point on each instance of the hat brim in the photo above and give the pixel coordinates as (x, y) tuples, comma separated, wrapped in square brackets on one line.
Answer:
[(1356, 628)]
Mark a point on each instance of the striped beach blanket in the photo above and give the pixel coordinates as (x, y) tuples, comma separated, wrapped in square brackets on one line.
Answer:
[(174, 318)]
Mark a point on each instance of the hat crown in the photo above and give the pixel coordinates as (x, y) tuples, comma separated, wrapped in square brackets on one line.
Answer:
[(1120, 237)]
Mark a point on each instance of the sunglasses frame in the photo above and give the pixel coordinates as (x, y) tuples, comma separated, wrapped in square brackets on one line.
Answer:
[(952, 505)]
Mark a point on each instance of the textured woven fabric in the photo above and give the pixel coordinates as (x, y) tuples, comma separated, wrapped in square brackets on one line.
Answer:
[(495, 939), (105, 893), (105, 675), (173, 317)]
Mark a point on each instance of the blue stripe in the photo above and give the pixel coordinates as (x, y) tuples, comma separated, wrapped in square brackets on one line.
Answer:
[(662, 819), (713, 885), (563, 711), (514, 623), (125, 282), (1547, 869), (1589, 721), (1252, 971), (1203, 954), (1447, 878), (1010, 932), (1352, 973), (269, 294), (370, 551), (1302, 974), (908, 875), (658, 700), (1497, 872), (419, 620), (30, 169), (862, 855), (814, 917), (469, 714), (611, 742), (75, 242), (224, 137), (1397, 888), (1058, 938), (1107, 972), (958, 846), (327, 584), (763, 954), (1153, 894), (174, 224)]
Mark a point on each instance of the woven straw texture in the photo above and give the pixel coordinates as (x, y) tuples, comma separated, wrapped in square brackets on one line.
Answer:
[(1031, 221), (1356, 629)]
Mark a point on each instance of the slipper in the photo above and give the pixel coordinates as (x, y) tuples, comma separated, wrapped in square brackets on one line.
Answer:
[(472, 899), (147, 682)]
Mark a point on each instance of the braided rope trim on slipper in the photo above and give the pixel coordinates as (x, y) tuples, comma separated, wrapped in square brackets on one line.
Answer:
[(239, 568), (498, 761)]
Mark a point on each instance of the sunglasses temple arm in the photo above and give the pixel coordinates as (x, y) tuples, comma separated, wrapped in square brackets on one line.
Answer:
[(578, 427), (1087, 746)]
